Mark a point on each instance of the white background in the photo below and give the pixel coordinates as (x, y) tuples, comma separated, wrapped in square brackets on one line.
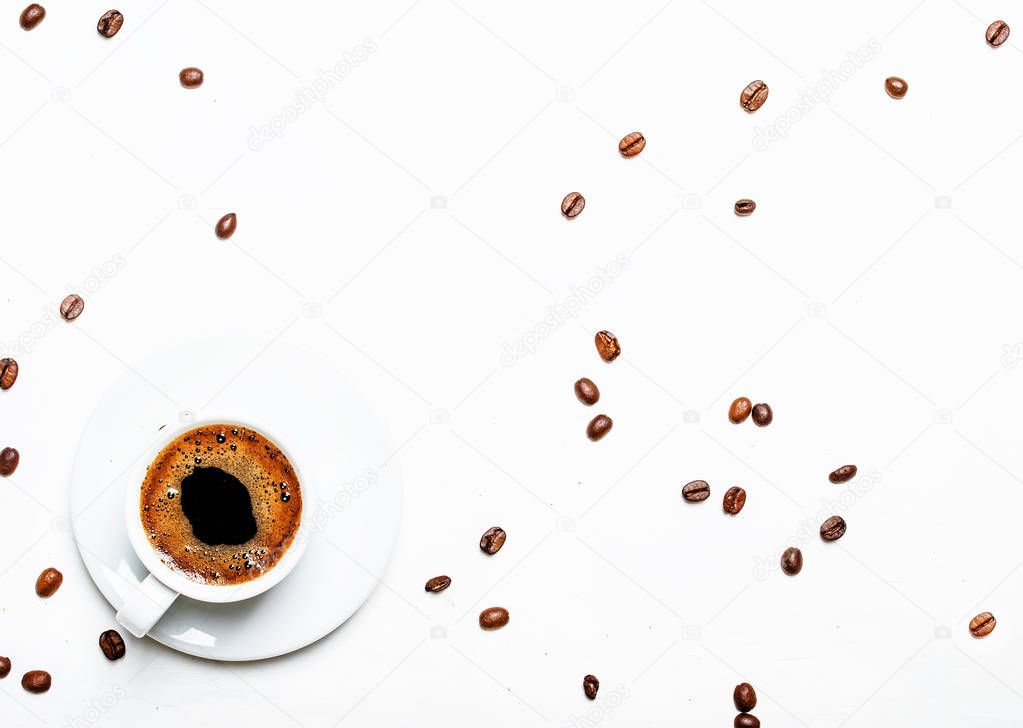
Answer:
[(883, 326)]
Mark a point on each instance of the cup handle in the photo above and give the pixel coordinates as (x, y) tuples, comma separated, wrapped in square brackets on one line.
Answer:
[(145, 605)]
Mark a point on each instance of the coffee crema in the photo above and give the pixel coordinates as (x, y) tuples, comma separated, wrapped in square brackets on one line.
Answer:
[(221, 504)]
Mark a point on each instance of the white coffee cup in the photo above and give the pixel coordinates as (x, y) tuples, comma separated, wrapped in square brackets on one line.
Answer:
[(155, 594)]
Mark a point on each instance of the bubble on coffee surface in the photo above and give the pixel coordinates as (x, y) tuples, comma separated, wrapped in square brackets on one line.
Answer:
[(221, 517)]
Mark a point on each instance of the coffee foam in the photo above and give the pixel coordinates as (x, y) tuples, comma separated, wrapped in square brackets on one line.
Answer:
[(265, 472)]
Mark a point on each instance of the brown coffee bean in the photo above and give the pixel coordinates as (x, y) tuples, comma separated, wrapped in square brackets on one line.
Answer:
[(607, 345), (9, 459), (740, 410), (745, 720), (833, 528), (112, 644), (997, 33), (8, 373), (586, 391), (792, 561), (842, 474), (494, 618), (631, 144), (5, 667), (735, 499), (109, 23), (191, 77), (32, 16), (744, 207), (762, 415), (753, 96), (226, 226), (572, 205), (438, 584), (598, 427), (895, 87), (49, 582), (36, 681), (493, 540), (71, 307), (590, 686), (745, 697), (983, 624), (696, 491)]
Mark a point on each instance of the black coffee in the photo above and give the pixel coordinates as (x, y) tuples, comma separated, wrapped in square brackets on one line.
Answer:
[(218, 506), (221, 504)]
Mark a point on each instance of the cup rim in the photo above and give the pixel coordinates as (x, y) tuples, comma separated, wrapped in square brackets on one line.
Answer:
[(175, 580)]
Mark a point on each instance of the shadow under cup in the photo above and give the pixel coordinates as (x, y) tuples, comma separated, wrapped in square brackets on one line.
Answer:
[(215, 516)]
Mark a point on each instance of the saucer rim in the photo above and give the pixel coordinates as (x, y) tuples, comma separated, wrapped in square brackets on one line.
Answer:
[(99, 571)]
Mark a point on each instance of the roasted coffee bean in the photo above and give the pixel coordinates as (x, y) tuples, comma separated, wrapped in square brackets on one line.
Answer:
[(191, 77), (740, 410), (5, 667), (112, 644), (896, 87), (49, 582), (983, 624), (32, 16), (226, 226), (753, 96), (997, 33), (744, 207), (762, 415), (590, 686), (9, 459), (109, 23), (36, 681), (607, 345), (631, 144), (598, 427), (493, 540), (745, 720), (586, 391), (745, 697), (696, 491), (735, 499), (842, 474), (71, 307), (438, 584), (572, 205), (792, 561), (8, 373), (833, 528), (494, 618)]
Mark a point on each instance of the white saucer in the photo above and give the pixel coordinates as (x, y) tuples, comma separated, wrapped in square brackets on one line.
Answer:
[(326, 427)]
